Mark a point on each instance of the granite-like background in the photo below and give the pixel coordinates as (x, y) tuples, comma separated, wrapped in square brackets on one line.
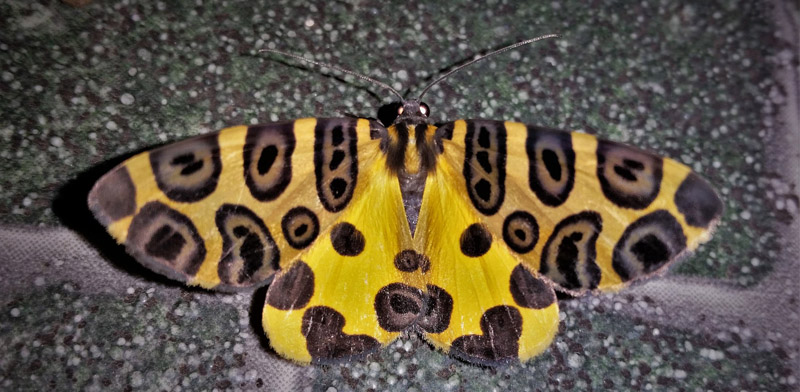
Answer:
[(713, 84)]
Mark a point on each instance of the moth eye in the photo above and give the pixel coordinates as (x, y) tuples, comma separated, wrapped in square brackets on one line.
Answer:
[(424, 109), (400, 110)]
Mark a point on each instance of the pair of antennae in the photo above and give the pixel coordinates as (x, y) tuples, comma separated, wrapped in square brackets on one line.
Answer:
[(425, 90)]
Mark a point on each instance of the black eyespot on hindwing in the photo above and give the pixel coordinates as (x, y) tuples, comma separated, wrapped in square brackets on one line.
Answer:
[(267, 158), (438, 309), (551, 160), (300, 227), (335, 162), (166, 240), (485, 164), (397, 306), (629, 177), (568, 257), (293, 288), (188, 171), (647, 245), (249, 253)]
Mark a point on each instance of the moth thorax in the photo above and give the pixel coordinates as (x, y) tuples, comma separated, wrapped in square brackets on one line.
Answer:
[(410, 148)]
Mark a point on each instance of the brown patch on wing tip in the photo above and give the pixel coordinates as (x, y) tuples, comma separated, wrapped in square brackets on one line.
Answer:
[(113, 197), (501, 327), (698, 202), (325, 341), (293, 288)]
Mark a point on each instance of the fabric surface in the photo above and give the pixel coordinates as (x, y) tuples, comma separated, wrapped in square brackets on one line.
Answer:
[(714, 85)]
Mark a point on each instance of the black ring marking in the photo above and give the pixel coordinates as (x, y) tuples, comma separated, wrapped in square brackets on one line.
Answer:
[(438, 309), (335, 162), (475, 240), (520, 231), (292, 289), (409, 261), (629, 177), (551, 164), (485, 164), (114, 196), (647, 245), (568, 257), (529, 291), (249, 254), (325, 341), (300, 227), (188, 171), (501, 327), (267, 158), (397, 306), (347, 240), (167, 240), (698, 202)]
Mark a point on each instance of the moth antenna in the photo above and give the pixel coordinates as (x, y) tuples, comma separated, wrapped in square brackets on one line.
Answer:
[(331, 66), (479, 58)]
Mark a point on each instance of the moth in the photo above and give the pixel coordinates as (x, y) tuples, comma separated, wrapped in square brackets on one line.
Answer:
[(460, 232)]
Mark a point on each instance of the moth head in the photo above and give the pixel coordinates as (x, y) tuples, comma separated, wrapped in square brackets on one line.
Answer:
[(412, 112)]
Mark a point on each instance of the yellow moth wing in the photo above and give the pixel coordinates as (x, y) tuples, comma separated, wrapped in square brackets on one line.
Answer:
[(592, 210), (331, 304), (489, 308)]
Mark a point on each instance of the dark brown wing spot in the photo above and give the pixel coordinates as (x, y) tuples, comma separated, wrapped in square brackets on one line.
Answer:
[(475, 241), (325, 341), (347, 240), (698, 202), (647, 245), (409, 261), (397, 306), (501, 327), (113, 197), (529, 291), (438, 309), (292, 289)]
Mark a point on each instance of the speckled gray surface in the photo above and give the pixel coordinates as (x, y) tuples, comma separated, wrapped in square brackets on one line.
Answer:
[(713, 85)]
